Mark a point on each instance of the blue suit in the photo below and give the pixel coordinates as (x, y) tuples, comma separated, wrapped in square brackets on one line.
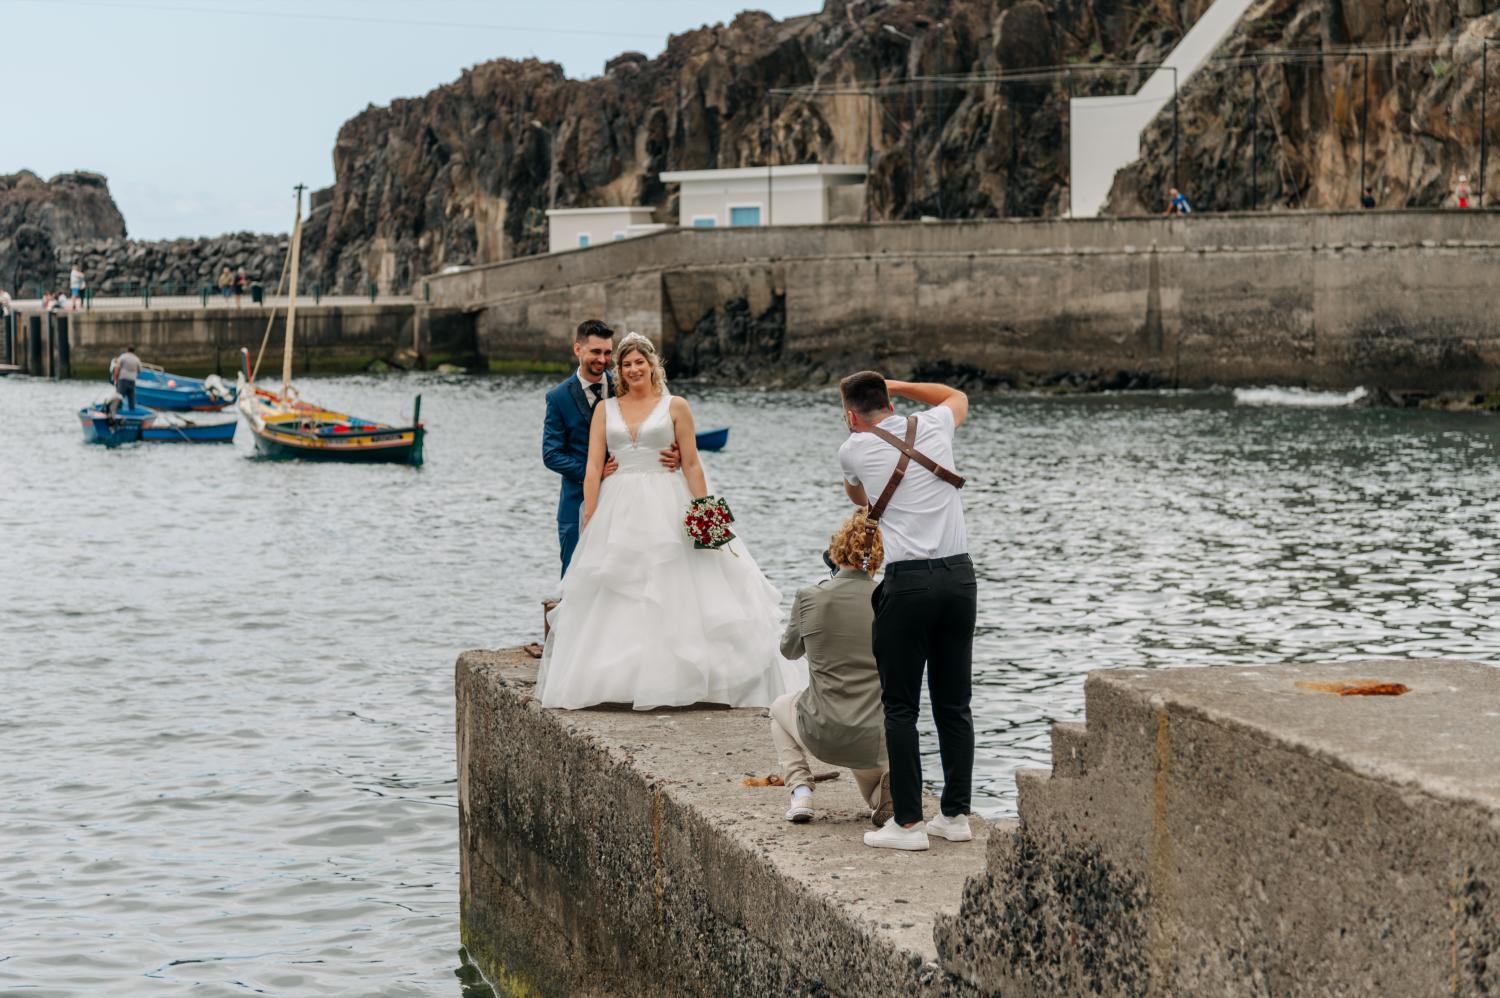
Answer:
[(565, 450)]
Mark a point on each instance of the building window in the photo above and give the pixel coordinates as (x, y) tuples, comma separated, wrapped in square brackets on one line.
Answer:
[(704, 221), (619, 237), (583, 239), (745, 215)]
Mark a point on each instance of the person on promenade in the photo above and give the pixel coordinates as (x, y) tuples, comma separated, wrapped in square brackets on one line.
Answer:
[(838, 716), (565, 431), (226, 283), (241, 282), (1461, 193), (1367, 199), (647, 618), (76, 285), (1177, 203), (926, 604), (124, 370)]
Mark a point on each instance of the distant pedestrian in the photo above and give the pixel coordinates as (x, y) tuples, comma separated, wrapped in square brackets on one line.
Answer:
[(241, 282), (1177, 203), (226, 283), (1367, 199), (1461, 193), (5, 306), (49, 301), (77, 283), (124, 370)]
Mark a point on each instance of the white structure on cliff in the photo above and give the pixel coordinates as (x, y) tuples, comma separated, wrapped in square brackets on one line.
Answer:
[(573, 228), (806, 194), (1104, 133)]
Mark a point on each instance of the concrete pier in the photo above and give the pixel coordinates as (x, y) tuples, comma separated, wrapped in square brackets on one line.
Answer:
[(1227, 831), (615, 852)]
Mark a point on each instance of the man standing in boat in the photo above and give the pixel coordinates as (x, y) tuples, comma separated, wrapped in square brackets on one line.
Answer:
[(565, 433), (125, 369)]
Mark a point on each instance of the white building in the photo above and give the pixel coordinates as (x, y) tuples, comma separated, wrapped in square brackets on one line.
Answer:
[(809, 194), (574, 228)]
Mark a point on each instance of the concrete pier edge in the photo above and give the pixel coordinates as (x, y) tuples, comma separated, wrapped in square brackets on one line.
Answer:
[(1236, 831)]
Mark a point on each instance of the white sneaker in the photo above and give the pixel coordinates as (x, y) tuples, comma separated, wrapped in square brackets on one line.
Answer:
[(892, 836), (953, 829), (801, 812)]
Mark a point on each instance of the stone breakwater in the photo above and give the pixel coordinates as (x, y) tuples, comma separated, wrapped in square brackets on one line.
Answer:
[(1207, 831), (171, 266)]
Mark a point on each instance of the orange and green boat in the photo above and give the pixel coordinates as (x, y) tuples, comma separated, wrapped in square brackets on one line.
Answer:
[(287, 427)]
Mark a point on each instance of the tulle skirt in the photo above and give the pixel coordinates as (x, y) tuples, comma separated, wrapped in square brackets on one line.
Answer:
[(646, 619)]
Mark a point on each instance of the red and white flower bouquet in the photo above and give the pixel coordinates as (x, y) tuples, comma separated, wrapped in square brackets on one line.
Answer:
[(707, 522)]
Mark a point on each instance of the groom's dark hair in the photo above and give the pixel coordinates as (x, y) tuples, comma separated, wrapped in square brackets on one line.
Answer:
[(865, 393), (593, 327)]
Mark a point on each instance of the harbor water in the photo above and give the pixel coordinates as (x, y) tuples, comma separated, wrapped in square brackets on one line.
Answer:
[(228, 703)]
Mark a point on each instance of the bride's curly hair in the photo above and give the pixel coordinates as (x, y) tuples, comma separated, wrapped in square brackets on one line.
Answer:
[(636, 343)]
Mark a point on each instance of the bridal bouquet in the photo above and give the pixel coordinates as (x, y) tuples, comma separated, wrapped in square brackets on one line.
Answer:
[(707, 522)]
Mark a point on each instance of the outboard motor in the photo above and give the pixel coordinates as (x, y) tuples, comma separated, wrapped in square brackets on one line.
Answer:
[(215, 387)]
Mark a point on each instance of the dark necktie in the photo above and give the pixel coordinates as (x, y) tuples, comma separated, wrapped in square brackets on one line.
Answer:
[(597, 391)]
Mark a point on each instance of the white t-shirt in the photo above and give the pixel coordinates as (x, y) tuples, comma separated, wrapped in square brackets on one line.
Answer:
[(925, 518)]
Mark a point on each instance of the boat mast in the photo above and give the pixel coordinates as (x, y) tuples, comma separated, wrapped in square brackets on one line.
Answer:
[(291, 306)]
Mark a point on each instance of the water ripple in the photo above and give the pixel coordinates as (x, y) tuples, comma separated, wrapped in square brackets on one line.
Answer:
[(228, 710)]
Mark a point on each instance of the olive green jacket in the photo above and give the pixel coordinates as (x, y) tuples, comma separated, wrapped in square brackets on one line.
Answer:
[(839, 716)]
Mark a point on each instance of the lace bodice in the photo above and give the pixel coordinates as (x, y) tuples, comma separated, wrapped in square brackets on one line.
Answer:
[(654, 435)]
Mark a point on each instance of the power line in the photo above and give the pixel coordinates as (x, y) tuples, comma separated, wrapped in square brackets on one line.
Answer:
[(340, 18)]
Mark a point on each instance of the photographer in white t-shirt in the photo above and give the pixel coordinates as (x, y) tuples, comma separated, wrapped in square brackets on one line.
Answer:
[(926, 603)]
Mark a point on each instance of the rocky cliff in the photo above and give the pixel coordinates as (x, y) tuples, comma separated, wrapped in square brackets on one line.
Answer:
[(1393, 103), (36, 216), (465, 174)]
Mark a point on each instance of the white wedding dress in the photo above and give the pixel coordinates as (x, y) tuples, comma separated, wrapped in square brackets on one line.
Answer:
[(646, 619)]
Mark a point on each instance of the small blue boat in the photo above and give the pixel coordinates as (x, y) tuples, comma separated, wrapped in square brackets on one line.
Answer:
[(713, 439), (157, 389), (128, 426)]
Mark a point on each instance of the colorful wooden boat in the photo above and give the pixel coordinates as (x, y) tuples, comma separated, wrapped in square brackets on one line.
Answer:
[(299, 430), (127, 426), (287, 427), (156, 389), (713, 439)]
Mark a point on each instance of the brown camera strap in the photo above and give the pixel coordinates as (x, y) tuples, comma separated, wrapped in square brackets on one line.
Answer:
[(908, 451), (877, 510)]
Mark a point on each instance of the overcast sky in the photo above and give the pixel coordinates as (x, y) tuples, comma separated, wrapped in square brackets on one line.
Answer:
[(204, 113)]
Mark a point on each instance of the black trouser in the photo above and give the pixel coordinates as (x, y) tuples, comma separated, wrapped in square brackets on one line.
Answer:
[(126, 389), (924, 615)]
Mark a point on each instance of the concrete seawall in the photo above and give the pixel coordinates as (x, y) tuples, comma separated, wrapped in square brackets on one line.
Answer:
[(1396, 300), (1226, 831), (195, 341)]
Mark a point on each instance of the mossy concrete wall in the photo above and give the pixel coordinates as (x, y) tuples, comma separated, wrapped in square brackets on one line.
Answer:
[(196, 341), (1398, 300)]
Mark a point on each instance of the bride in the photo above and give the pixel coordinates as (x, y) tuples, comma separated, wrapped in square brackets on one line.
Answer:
[(645, 618)]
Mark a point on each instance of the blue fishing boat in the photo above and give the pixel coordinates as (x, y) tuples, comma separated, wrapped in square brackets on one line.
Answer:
[(128, 426), (156, 389), (713, 439)]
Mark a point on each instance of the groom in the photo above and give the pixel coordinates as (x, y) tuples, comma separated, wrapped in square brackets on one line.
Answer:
[(565, 433)]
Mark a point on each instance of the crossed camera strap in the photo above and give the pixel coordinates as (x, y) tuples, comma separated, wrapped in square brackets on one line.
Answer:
[(908, 454)]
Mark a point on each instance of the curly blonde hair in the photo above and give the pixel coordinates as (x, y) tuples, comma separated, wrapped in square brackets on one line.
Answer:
[(636, 343), (847, 546)]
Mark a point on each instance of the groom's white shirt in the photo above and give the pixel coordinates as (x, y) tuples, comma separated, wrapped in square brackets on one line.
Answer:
[(925, 518), (587, 384)]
